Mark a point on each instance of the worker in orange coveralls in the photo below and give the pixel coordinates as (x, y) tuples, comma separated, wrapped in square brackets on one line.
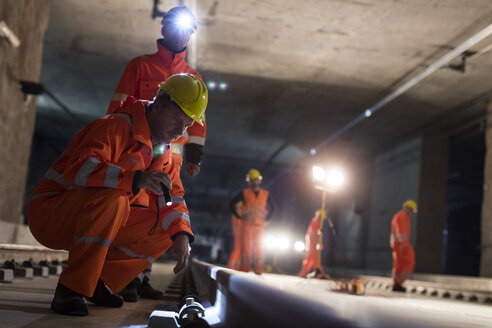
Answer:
[(403, 255), (140, 79), (102, 199), (257, 208), (312, 245), (237, 231)]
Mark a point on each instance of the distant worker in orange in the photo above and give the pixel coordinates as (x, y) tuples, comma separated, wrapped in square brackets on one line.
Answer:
[(257, 208), (140, 79), (237, 231), (312, 245), (105, 198), (403, 255)]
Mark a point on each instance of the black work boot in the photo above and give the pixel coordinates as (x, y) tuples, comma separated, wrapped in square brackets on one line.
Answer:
[(68, 302), (147, 291), (103, 296), (399, 288), (130, 292)]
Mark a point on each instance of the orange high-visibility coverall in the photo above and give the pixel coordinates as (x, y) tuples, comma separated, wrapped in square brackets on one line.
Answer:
[(403, 255), (312, 236), (141, 79), (85, 203), (254, 213), (238, 233)]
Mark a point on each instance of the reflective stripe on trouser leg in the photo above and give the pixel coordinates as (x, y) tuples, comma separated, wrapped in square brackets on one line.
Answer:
[(133, 249), (84, 222)]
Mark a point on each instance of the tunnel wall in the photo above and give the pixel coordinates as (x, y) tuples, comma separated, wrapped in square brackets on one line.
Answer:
[(28, 20), (395, 179), (486, 242)]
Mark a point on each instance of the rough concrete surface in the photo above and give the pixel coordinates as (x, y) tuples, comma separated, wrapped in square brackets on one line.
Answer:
[(486, 243), (28, 20), (26, 303)]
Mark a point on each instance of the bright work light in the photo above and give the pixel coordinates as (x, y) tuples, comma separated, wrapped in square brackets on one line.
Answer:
[(276, 243), (299, 246), (318, 173), (334, 178), (185, 22), (330, 179)]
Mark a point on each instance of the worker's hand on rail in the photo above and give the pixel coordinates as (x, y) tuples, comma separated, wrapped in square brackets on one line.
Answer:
[(192, 169), (180, 247), (152, 180)]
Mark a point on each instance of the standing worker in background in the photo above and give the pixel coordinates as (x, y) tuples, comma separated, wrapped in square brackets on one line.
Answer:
[(257, 208), (237, 231), (403, 255), (312, 238), (85, 202), (140, 79)]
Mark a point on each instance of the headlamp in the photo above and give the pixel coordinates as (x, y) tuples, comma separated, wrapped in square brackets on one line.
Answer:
[(183, 21)]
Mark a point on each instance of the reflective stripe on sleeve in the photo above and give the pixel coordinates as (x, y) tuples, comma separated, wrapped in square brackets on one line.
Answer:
[(91, 240), (119, 96), (197, 140), (57, 177), (171, 217), (86, 170), (130, 253), (177, 148), (174, 199), (112, 175)]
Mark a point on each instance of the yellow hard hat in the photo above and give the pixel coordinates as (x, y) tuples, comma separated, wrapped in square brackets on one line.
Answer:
[(253, 174), (321, 213), (188, 92), (411, 204)]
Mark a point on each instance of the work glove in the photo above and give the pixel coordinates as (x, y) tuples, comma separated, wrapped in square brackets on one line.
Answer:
[(152, 180)]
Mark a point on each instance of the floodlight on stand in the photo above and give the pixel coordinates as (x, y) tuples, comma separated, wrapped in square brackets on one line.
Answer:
[(334, 178), (319, 173)]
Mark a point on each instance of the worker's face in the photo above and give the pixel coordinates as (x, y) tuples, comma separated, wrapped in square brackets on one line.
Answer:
[(408, 210), (175, 38), (166, 122), (255, 184)]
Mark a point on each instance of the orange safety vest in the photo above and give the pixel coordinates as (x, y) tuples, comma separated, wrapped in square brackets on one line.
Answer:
[(141, 79), (254, 207)]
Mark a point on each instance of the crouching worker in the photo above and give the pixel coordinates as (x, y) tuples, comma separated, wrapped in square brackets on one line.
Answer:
[(102, 199)]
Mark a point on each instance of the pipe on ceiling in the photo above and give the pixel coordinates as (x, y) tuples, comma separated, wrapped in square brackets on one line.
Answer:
[(407, 85)]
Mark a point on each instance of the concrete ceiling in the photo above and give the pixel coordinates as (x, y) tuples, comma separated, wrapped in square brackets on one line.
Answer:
[(297, 70)]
